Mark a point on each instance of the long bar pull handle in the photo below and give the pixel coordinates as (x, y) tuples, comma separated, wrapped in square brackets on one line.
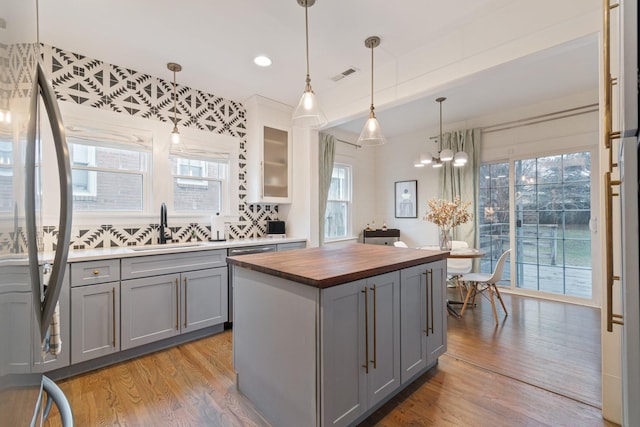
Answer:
[(429, 293), (185, 303), (366, 329), (177, 304), (426, 287), (611, 277), (375, 334), (431, 301), (48, 303), (113, 317), (606, 60)]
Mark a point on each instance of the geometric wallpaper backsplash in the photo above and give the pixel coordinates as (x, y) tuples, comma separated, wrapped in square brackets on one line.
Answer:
[(96, 84)]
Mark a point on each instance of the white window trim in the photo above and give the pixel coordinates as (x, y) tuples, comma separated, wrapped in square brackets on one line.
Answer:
[(349, 201)]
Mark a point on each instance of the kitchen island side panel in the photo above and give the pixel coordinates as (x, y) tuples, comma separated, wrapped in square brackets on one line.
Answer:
[(275, 349)]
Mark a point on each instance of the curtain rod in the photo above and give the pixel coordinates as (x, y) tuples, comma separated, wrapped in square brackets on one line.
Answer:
[(349, 143), (570, 112), (562, 114)]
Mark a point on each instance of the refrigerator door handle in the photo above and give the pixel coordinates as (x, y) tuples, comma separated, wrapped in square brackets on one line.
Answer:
[(48, 303)]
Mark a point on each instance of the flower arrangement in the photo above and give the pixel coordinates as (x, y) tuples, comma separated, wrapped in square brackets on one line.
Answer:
[(446, 214)]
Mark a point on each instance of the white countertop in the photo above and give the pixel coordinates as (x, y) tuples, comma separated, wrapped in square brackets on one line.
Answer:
[(125, 252)]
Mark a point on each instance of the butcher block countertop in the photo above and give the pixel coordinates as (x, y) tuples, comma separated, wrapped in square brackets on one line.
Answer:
[(331, 265)]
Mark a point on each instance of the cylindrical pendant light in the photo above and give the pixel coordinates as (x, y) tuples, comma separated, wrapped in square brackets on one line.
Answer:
[(308, 113), (371, 134)]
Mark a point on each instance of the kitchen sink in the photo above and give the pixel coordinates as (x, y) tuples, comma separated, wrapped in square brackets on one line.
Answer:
[(166, 246)]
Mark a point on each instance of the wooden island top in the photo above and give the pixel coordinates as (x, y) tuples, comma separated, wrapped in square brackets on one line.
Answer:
[(333, 265)]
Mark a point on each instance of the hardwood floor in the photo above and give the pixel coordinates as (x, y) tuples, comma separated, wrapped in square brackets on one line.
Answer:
[(516, 374)]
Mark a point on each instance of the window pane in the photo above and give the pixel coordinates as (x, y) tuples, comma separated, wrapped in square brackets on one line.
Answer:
[(113, 192), (549, 169), (6, 177), (494, 213), (205, 194), (195, 194), (336, 219)]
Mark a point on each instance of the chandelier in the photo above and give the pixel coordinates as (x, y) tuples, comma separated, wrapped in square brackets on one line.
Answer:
[(444, 155)]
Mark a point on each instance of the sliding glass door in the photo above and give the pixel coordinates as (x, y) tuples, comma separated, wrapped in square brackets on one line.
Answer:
[(552, 213), (544, 213)]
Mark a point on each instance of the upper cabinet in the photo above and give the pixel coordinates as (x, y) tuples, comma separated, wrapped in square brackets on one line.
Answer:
[(269, 151)]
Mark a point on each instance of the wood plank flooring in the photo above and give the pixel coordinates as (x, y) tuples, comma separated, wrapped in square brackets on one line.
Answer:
[(490, 376)]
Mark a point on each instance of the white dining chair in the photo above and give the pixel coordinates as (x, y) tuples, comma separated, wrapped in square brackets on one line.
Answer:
[(457, 267), (400, 244), (480, 282)]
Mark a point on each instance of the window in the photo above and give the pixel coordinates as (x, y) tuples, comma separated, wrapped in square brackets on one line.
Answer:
[(6, 177), (199, 184), (109, 171), (338, 213)]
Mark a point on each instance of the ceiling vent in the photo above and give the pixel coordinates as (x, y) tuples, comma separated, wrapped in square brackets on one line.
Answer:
[(344, 74)]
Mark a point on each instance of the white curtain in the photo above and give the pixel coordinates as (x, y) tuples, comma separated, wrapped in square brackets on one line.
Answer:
[(464, 181), (326, 157)]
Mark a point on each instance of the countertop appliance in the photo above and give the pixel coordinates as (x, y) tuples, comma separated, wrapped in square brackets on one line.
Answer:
[(26, 304), (276, 228)]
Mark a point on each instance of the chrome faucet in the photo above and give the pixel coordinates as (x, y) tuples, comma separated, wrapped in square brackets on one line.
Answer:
[(163, 225)]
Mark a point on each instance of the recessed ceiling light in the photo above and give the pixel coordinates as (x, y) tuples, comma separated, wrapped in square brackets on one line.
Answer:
[(262, 61)]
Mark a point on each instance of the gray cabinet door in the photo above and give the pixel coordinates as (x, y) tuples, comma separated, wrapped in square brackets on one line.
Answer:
[(384, 332), (413, 309), (16, 309), (95, 325), (436, 310), (150, 309), (344, 394), (423, 317), (204, 298)]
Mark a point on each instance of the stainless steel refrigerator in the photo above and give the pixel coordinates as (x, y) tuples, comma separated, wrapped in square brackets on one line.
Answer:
[(27, 304), (629, 191)]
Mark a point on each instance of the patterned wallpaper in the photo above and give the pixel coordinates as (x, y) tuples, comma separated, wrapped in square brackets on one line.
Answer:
[(94, 83)]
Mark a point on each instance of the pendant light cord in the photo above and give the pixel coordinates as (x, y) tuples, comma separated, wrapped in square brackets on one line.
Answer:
[(175, 109), (372, 46), (440, 126), (306, 35)]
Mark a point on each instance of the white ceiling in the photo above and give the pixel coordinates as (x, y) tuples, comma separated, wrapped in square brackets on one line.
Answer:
[(216, 41)]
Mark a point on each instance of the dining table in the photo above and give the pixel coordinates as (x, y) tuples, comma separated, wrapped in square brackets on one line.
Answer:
[(458, 253)]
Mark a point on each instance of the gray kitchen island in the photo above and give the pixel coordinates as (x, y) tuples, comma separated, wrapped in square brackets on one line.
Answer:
[(325, 336)]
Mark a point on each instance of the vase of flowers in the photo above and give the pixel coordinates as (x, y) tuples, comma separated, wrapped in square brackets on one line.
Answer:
[(447, 215)]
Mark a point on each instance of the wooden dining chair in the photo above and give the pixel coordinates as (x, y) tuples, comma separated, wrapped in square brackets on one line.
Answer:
[(480, 282)]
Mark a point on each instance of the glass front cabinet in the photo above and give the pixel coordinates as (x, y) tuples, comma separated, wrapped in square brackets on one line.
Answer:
[(269, 152)]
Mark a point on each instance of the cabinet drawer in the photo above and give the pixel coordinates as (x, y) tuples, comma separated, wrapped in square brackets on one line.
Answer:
[(94, 272), (154, 265), (291, 246)]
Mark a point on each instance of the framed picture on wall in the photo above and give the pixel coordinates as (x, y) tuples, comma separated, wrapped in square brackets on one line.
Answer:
[(406, 199)]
